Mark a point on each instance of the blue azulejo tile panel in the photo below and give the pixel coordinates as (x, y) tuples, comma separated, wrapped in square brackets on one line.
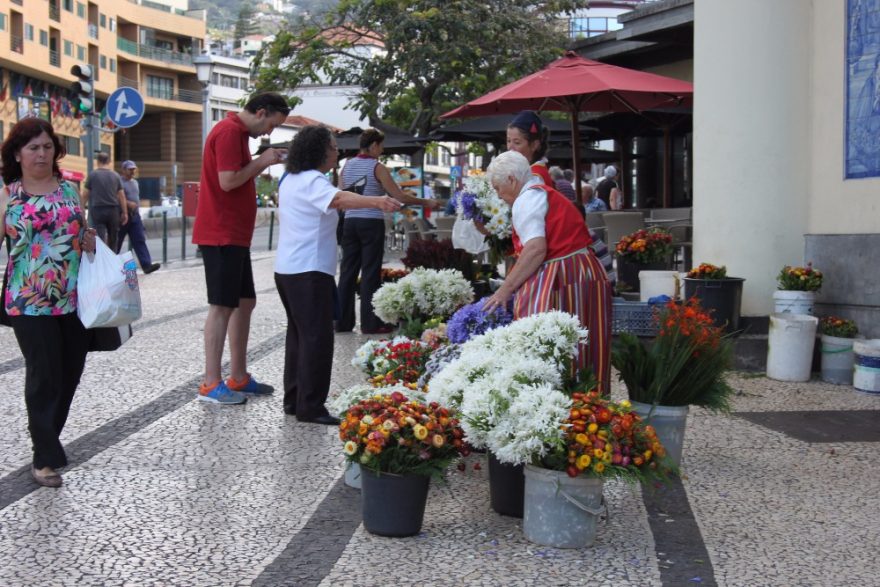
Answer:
[(862, 141)]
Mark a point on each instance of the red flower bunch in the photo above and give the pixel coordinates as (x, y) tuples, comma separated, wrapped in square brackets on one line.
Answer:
[(689, 321), (646, 246), (708, 271), (389, 275), (799, 278), (605, 439), (392, 434), (400, 362), (840, 327)]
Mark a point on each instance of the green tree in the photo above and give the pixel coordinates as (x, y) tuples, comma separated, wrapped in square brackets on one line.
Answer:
[(429, 56), (244, 24)]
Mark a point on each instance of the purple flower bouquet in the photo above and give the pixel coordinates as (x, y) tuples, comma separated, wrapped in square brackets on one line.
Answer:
[(471, 320)]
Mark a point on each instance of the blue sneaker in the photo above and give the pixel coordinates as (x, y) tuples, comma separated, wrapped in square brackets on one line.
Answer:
[(220, 394), (250, 386)]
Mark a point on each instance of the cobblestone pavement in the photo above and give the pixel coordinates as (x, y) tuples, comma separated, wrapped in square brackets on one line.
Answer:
[(164, 490)]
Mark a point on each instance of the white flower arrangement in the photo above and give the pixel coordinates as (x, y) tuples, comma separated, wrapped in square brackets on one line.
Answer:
[(495, 212), (506, 385), (339, 402), (365, 357), (424, 292)]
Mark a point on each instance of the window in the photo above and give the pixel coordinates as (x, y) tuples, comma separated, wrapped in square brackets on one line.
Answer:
[(44, 38), (160, 87), (80, 10), (68, 48), (68, 5), (28, 32), (102, 20), (72, 145), (2, 21), (112, 24), (103, 60), (1, 130), (80, 52), (112, 65), (105, 148)]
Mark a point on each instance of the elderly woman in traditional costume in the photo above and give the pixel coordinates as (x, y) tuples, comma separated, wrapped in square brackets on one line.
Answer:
[(555, 268)]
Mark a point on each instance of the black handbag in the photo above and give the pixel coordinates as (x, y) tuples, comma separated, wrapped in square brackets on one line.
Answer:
[(109, 338), (4, 317)]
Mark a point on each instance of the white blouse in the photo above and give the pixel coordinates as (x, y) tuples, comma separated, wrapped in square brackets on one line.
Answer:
[(307, 233), (529, 211)]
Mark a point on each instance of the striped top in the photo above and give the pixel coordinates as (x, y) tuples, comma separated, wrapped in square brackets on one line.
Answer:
[(361, 170)]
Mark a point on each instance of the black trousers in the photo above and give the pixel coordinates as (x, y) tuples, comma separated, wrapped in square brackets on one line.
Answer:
[(54, 349), (105, 220), (308, 350), (363, 244)]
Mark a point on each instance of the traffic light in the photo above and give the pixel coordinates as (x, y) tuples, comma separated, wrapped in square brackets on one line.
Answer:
[(84, 88)]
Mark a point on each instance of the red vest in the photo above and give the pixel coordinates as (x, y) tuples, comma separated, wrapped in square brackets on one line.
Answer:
[(540, 170), (564, 227)]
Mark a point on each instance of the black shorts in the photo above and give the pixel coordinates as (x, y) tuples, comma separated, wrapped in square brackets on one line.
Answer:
[(228, 274)]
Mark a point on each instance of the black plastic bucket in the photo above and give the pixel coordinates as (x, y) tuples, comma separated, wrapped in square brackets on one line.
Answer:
[(722, 296), (393, 505), (507, 486)]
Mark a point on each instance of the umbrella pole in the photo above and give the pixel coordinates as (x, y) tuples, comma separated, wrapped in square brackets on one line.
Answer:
[(667, 164), (576, 153)]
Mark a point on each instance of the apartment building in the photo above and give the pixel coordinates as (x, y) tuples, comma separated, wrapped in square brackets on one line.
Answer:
[(144, 44)]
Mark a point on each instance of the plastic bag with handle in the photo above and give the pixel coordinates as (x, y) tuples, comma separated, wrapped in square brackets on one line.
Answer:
[(107, 292), (466, 236)]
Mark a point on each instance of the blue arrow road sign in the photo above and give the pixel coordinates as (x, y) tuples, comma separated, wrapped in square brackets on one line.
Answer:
[(125, 107)]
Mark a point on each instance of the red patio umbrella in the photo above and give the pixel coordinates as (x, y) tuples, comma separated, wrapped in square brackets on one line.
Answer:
[(573, 84)]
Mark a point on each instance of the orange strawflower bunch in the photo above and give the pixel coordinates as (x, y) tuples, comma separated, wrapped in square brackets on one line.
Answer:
[(708, 271), (606, 439), (393, 434), (388, 274), (646, 246), (840, 327), (799, 278), (691, 322)]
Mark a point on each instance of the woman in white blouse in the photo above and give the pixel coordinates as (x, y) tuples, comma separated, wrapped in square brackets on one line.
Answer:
[(555, 268), (305, 267)]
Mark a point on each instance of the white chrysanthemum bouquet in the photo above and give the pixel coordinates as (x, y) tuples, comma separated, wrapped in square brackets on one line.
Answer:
[(422, 295)]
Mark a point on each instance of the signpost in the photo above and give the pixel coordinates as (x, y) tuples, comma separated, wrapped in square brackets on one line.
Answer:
[(125, 107)]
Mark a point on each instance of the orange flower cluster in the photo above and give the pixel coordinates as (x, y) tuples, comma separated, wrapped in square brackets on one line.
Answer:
[(646, 246), (604, 438), (840, 327), (388, 275), (799, 278), (708, 271), (688, 324), (400, 362), (391, 434)]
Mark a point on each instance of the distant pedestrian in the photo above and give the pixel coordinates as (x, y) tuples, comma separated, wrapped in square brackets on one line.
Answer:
[(103, 194), (135, 227), (223, 229), (591, 202), (608, 190), (41, 276), (305, 266), (563, 186)]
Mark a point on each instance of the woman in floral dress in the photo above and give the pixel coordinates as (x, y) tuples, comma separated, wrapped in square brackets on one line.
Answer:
[(41, 216)]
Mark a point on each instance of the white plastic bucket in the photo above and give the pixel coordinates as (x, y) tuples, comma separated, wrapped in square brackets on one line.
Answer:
[(669, 422), (561, 511), (794, 302), (352, 475), (790, 346), (866, 376), (656, 283), (837, 359)]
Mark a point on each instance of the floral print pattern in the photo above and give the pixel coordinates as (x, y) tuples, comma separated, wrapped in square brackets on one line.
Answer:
[(44, 260)]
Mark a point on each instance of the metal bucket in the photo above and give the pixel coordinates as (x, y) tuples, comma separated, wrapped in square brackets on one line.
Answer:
[(669, 422), (561, 511)]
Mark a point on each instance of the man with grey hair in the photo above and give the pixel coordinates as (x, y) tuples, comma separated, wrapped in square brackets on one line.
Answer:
[(563, 186), (103, 193), (608, 191)]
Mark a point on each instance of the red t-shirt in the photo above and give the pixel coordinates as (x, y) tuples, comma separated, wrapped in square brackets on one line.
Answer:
[(225, 218)]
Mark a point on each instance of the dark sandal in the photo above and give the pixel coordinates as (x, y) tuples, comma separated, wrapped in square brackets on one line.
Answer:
[(52, 479)]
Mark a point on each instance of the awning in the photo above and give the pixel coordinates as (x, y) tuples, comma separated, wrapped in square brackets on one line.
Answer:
[(72, 175)]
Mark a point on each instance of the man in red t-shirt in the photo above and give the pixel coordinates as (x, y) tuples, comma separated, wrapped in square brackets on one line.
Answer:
[(223, 230)]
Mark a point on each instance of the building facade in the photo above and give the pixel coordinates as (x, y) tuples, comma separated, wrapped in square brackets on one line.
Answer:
[(143, 44)]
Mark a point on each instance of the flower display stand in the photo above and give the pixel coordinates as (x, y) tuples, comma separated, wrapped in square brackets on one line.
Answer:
[(669, 422), (722, 296), (561, 511), (393, 505), (506, 487)]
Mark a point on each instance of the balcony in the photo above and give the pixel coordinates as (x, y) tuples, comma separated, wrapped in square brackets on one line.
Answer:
[(188, 96), (54, 12), (19, 2), (16, 44), (162, 7), (54, 58), (93, 31), (150, 52)]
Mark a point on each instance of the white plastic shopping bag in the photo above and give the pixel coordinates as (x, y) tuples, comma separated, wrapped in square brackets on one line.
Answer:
[(107, 288), (466, 236)]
